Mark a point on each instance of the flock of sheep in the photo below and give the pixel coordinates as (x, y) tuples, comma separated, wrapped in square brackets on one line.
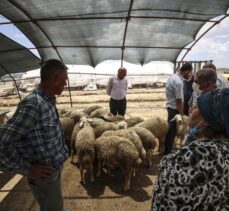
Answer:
[(112, 141), (98, 138)]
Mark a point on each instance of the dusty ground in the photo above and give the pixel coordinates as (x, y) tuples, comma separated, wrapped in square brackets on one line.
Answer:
[(106, 193)]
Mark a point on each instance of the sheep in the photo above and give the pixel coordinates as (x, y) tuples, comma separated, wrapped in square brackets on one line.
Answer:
[(100, 126), (3, 117), (71, 113), (84, 147), (122, 125), (132, 136), (181, 127), (99, 113), (75, 131), (89, 109), (148, 142), (133, 121), (67, 125), (110, 118), (158, 127), (117, 151)]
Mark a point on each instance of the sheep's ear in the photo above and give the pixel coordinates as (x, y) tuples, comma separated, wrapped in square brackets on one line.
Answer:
[(90, 120), (81, 124), (173, 119)]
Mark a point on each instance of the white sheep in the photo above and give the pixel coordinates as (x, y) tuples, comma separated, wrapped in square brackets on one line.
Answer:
[(3, 118), (133, 121), (158, 127), (67, 125), (71, 113), (122, 125), (100, 126), (85, 148), (117, 151), (110, 118), (148, 142), (181, 127), (89, 109), (132, 136), (98, 113)]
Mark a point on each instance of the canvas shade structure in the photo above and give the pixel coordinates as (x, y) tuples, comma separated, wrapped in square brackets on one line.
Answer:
[(12, 61), (91, 31)]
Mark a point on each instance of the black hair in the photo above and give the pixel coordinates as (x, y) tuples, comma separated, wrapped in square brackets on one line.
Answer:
[(186, 67), (50, 67)]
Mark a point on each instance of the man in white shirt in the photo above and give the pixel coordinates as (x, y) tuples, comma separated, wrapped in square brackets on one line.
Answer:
[(116, 88), (175, 100), (221, 82)]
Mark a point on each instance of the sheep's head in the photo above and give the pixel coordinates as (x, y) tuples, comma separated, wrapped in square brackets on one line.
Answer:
[(122, 125), (83, 120), (178, 119)]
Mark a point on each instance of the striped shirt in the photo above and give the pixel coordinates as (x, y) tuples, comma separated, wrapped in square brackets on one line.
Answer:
[(117, 88), (33, 135)]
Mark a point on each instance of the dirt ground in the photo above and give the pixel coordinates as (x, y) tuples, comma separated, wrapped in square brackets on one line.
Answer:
[(106, 194)]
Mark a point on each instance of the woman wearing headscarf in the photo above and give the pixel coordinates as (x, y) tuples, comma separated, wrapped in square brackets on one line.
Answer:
[(197, 176)]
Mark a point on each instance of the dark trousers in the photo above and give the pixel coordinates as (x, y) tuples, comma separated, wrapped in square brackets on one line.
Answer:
[(117, 106), (171, 132)]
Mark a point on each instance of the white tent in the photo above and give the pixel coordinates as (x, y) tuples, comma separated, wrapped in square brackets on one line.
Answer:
[(82, 75)]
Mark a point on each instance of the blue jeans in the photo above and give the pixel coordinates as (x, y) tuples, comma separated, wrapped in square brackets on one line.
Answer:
[(48, 192)]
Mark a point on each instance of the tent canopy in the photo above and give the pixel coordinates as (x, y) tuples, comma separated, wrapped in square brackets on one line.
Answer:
[(91, 31), (12, 61)]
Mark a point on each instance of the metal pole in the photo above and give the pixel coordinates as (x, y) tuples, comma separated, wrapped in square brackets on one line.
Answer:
[(13, 80)]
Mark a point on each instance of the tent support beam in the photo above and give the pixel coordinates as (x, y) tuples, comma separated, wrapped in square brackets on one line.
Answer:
[(125, 31), (104, 18), (88, 46), (205, 32), (44, 32), (17, 88)]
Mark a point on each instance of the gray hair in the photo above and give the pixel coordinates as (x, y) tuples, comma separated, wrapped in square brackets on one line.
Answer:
[(50, 67)]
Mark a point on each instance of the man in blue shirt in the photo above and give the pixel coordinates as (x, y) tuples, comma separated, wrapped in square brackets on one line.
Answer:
[(175, 102), (32, 141)]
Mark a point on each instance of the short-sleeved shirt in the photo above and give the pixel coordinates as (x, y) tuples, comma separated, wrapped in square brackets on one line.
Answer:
[(174, 90)]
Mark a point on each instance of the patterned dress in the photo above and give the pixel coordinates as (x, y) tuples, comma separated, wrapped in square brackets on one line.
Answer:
[(194, 178)]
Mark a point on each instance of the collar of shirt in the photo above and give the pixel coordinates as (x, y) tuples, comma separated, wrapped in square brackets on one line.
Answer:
[(45, 96), (181, 77)]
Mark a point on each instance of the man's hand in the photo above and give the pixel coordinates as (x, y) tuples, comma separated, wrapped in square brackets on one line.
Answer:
[(39, 172)]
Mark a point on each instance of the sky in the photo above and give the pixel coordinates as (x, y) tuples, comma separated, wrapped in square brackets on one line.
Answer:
[(213, 46)]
